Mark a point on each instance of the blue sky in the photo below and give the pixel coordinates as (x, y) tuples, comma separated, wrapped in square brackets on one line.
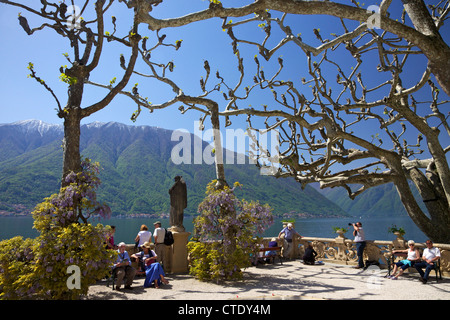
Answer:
[(23, 98)]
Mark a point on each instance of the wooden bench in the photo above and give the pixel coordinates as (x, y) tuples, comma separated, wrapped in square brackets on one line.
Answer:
[(265, 256)]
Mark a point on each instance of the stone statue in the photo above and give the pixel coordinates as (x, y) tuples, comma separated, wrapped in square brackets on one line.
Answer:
[(178, 202)]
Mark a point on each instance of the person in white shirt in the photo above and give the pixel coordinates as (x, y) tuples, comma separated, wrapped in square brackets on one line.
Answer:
[(360, 240), (160, 247), (142, 237), (411, 259), (429, 257)]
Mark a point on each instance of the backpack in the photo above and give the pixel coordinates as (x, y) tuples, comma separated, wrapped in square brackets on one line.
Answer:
[(168, 238)]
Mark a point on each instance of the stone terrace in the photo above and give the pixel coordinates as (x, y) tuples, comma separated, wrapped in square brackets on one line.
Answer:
[(290, 281)]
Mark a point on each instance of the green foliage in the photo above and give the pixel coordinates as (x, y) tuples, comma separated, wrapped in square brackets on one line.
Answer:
[(207, 261), (394, 229), (77, 244), (226, 231), (68, 79), (16, 266), (39, 268), (336, 229)]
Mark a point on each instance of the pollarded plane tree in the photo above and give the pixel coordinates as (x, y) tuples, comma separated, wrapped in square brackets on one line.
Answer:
[(360, 119), (325, 122), (63, 239), (205, 100), (84, 28), (424, 31)]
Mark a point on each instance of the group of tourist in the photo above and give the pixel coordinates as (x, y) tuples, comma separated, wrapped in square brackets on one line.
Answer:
[(150, 258), (151, 255), (429, 257), (427, 261), (309, 257)]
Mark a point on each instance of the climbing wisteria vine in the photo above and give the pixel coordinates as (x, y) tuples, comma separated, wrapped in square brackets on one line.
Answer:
[(227, 232)]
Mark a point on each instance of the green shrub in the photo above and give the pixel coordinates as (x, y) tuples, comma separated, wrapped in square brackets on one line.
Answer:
[(226, 232), (46, 267)]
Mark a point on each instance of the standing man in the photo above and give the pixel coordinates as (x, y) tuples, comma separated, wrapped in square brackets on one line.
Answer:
[(160, 247), (289, 233), (429, 257), (360, 240)]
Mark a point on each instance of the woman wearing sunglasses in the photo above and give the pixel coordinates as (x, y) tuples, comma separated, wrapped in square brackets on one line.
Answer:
[(412, 257)]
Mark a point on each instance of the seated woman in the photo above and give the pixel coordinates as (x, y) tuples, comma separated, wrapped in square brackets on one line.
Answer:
[(310, 255), (154, 272), (413, 256), (271, 254)]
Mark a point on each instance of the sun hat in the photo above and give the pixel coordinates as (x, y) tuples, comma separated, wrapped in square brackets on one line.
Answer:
[(148, 245)]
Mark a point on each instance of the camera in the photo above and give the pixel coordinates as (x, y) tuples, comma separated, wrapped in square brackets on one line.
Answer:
[(350, 224)]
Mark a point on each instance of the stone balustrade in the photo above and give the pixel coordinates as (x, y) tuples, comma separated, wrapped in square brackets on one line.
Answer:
[(338, 250), (341, 250)]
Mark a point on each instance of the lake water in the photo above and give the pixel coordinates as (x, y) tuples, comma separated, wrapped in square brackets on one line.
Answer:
[(127, 229)]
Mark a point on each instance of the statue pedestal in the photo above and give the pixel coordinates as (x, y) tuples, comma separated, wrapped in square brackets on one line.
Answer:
[(179, 252)]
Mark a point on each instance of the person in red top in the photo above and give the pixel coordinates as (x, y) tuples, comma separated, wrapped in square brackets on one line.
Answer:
[(110, 244)]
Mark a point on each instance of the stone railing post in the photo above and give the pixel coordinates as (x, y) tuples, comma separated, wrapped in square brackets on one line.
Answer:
[(178, 251), (399, 243), (340, 241)]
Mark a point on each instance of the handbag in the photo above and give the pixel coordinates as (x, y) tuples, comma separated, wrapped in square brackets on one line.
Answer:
[(150, 259)]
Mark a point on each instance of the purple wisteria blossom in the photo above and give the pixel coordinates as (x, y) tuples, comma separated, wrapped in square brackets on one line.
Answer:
[(232, 223)]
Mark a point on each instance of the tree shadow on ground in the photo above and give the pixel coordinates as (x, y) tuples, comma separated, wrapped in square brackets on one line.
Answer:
[(107, 292), (272, 283), (288, 281)]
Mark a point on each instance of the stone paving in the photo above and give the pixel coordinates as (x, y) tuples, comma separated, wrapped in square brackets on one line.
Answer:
[(290, 281)]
